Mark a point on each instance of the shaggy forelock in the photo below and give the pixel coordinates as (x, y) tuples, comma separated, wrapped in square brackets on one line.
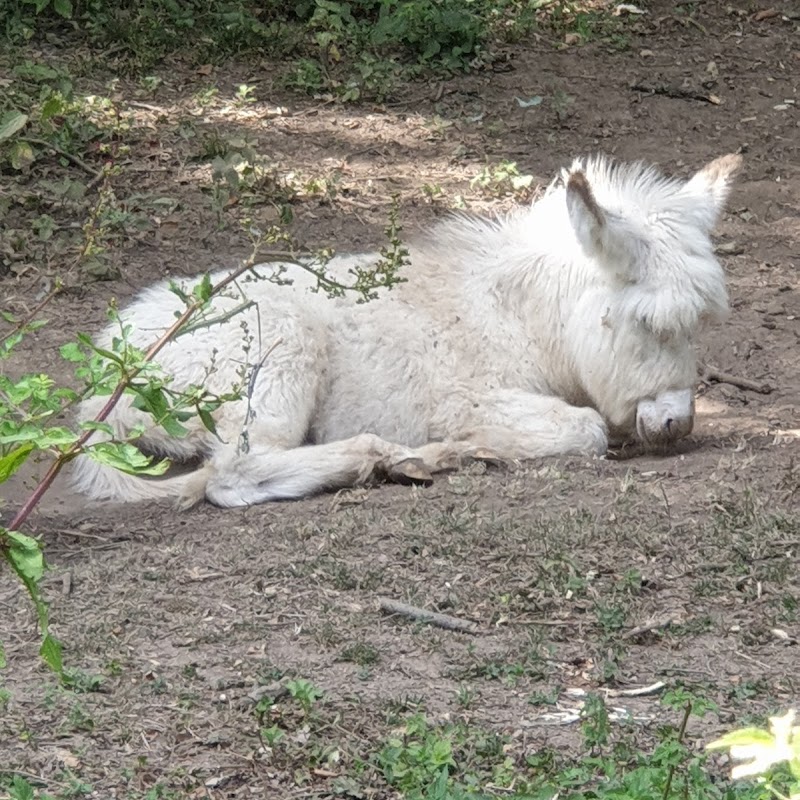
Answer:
[(678, 283)]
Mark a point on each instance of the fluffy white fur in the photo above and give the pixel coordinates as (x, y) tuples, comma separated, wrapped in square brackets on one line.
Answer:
[(546, 332)]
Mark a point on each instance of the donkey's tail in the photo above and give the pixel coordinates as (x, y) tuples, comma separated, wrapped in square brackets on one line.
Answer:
[(102, 482)]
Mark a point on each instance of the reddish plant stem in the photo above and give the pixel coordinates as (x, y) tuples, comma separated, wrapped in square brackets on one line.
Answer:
[(76, 447)]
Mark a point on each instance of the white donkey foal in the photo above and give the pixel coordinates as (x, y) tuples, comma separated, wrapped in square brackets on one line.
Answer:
[(547, 332)]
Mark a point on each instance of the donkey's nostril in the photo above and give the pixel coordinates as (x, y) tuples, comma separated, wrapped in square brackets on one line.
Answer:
[(668, 424)]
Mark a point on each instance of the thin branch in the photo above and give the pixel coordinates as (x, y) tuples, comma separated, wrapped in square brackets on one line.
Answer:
[(77, 446), (207, 323), (681, 733), (641, 691), (652, 625), (244, 441), (676, 92), (325, 281), (445, 621), (78, 162), (710, 374)]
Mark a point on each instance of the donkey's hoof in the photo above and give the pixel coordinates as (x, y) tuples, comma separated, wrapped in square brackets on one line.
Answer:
[(488, 457), (410, 471)]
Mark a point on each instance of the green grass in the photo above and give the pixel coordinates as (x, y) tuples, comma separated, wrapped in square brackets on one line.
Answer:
[(349, 49)]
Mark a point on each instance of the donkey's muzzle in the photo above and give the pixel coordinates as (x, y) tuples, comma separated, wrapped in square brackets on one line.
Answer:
[(667, 418)]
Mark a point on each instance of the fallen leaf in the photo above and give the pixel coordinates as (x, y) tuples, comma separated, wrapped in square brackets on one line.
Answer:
[(14, 122), (729, 249), (69, 760), (627, 8), (767, 13), (22, 155)]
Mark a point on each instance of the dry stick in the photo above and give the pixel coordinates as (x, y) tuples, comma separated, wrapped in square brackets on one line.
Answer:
[(78, 162), (642, 691), (154, 350), (653, 625), (710, 373), (676, 92), (440, 620)]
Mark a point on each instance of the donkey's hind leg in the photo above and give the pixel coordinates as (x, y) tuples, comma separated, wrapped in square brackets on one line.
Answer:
[(262, 454), (272, 473)]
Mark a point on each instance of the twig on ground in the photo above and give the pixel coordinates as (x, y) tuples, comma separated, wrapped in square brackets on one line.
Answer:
[(147, 107), (642, 691), (712, 374), (78, 162), (445, 621), (653, 625), (677, 92), (686, 22)]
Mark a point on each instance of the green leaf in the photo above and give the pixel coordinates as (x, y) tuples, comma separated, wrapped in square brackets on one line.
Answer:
[(521, 181), (207, 420), (109, 354), (21, 156), (12, 123), (35, 324), (50, 651), (92, 425), (153, 399), (744, 736), (177, 290), (3, 661), (126, 458), (174, 428), (24, 554), (150, 398), (63, 8), (39, 437), (12, 461), (204, 289), (22, 789), (52, 107), (72, 352)]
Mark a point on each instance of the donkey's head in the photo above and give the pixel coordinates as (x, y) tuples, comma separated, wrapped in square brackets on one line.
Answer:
[(653, 282)]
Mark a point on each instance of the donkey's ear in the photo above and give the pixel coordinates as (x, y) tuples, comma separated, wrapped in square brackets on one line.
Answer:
[(587, 218), (710, 187)]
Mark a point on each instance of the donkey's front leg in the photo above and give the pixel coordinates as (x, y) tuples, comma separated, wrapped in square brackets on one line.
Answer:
[(514, 424)]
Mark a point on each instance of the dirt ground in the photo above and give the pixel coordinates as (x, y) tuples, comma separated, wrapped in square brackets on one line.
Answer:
[(580, 574)]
